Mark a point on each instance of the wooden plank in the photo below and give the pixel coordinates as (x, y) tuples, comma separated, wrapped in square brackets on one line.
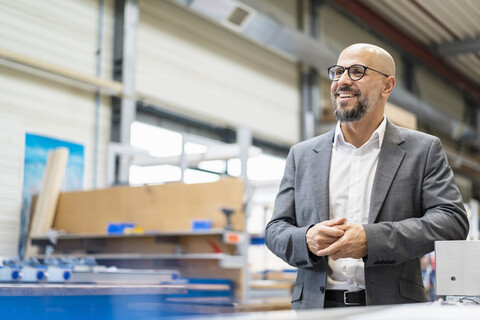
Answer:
[(265, 304), (211, 270), (207, 244), (109, 86), (288, 276), (271, 284), (153, 208), (46, 204)]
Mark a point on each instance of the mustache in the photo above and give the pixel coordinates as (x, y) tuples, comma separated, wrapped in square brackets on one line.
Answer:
[(348, 89)]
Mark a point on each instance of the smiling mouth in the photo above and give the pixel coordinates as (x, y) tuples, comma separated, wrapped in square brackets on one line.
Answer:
[(346, 95), (346, 92)]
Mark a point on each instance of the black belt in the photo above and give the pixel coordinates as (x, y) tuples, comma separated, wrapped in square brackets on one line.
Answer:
[(348, 298)]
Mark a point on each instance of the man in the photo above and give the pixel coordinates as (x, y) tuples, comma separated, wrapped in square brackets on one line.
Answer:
[(359, 205)]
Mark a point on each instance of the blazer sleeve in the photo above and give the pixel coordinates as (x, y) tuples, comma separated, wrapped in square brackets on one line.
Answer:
[(282, 234), (443, 217)]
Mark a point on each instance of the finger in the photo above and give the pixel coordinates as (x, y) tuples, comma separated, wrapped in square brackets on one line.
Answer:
[(331, 231), (329, 240), (330, 253), (344, 226), (334, 222), (324, 243), (330, 250)]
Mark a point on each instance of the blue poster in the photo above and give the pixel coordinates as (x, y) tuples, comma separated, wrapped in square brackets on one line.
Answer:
[(37, 149)]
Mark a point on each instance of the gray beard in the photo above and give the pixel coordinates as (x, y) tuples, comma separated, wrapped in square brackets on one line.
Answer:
[(358, 111)]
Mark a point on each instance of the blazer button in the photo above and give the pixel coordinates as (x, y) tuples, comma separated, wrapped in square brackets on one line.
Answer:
[(322, 289)]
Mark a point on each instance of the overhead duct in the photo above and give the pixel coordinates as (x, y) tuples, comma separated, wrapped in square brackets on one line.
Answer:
[(265, 30), (269, 31), (429, 115)]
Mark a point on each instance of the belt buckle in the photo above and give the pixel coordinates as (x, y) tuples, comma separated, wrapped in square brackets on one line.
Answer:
[(349, 303)]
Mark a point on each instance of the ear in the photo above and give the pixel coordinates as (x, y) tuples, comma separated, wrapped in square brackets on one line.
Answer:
[(388, 86)]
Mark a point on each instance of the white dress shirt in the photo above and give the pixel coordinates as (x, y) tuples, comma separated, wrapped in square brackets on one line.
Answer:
[(352, 172)]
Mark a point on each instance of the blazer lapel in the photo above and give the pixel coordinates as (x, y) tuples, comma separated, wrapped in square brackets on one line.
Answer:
[(389, 160), (320, 172)]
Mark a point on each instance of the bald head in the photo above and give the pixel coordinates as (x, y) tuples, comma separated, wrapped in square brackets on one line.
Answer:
[(374, 57), (362, 99)]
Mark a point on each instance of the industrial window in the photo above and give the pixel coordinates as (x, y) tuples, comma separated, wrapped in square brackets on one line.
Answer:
[(166, 146)]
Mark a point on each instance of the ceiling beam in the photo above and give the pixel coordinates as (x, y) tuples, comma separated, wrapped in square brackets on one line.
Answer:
[(457, 47), (359, 10)]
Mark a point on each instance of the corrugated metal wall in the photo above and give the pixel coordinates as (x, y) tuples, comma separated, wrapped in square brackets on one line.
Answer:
[(57, 31), (11, 167), (63, 33), (195, 67)]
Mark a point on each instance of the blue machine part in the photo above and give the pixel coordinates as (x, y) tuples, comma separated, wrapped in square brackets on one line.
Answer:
[(119, 227), (15, 274), (198, 225)]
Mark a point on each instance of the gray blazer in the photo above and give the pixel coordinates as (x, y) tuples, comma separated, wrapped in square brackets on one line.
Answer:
[(414, 202)]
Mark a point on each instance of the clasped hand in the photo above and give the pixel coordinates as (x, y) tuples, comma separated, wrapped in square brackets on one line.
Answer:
[(337, 239)]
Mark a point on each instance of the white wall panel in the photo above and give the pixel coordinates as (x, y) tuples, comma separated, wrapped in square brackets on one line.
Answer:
[(58, 111), (198, 68), (43, 107), (11, 172), (63, 33)]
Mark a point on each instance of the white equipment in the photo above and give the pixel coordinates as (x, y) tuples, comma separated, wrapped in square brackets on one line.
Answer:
[(458, 270)]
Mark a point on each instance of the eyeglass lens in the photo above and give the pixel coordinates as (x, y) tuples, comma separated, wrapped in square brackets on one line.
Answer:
[(355, 72)]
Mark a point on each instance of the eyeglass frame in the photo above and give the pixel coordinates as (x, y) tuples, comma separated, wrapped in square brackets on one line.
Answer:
[(348, 71)]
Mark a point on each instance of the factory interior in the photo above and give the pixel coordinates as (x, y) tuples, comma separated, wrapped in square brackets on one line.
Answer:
[(143, 144)]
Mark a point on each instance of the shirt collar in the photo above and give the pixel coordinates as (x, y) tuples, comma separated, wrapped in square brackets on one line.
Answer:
[(378, 135)]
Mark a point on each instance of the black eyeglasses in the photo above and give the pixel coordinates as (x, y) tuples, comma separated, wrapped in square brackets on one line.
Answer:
[(355, 72)]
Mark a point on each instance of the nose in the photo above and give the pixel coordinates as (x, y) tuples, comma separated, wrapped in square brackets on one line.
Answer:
[(344, 78)]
